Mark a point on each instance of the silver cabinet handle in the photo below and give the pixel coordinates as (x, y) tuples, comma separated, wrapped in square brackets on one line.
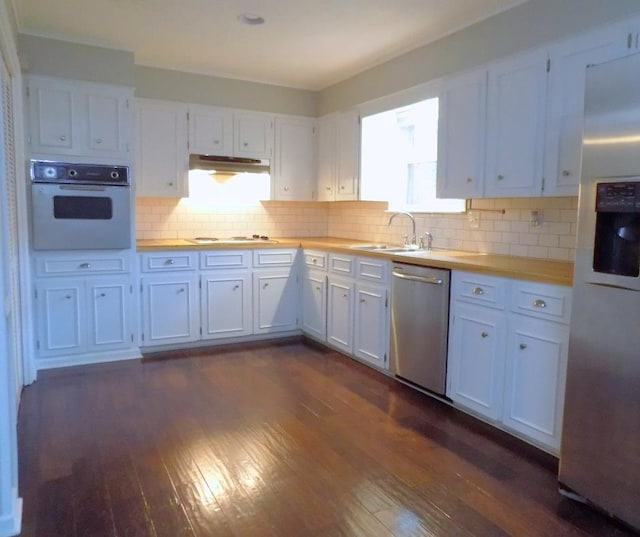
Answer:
[(468, 179), (63, 138), (265, 285), (181, 290), (362, 301), (102, 295), (216, 142), (85, 265), (538, 303), (523, 346), (314, 260), (68, 297), (98, 140), (484, 334), (235, 287), (328, 188), (500, 177), (318, 288), (246, 144), (477, 291), (170, 262), (566, 173), (341, 187)]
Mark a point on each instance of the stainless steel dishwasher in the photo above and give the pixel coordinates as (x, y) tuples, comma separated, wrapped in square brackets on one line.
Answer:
[(419, 325)]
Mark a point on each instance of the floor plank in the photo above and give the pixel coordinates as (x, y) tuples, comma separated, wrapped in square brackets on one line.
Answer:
[(274, 440)]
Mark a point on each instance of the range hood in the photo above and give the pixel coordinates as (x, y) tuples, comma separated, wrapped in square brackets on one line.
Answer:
[(228, 165)]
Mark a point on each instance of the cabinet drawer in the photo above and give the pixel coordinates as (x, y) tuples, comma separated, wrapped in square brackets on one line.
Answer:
[(342, 264), (315, 259), (92, 264), (274, 258), (375, 270), (168, 261), (488, 291), (552, 302), (227, 259)]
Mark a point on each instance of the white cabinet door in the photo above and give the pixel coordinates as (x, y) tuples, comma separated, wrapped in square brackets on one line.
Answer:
[(477, 359), (565, 108), (162, 154), (340, 314), (293, 169), (371, 331), (461, 139), (275, 304), (314, 304), (515, 126), (535, 379), (226, 304), (109, 123), (79, 118), (253, 134), (210, 130), (109, 304), (170, 309), (61, 312), (52, 122), (347, 155), (326, 158)]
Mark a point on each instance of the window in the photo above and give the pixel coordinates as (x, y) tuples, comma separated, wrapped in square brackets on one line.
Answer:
[(399, 157)]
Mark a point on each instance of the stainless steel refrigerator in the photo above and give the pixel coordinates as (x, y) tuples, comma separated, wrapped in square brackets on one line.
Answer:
[(600, 453)]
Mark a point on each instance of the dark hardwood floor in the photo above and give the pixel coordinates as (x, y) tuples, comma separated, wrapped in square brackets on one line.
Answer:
[(279, 440)]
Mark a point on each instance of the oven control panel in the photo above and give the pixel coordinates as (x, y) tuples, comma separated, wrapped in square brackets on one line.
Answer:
[(87, 174)]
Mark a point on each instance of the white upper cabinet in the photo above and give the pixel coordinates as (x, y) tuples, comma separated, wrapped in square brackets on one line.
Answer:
[(294, 165), (210, 130), (81, 119), (253, 135), (515, 126), (461, 140), (565, 107), (161, 149), (338, 156)]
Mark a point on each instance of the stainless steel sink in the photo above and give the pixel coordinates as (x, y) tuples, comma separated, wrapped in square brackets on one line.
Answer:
[(385, 248), (370, 247)]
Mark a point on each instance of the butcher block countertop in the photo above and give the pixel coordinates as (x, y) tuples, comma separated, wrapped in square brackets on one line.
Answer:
[(541, 270)]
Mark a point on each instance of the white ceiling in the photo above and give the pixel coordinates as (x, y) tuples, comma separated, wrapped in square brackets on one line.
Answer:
[(304, 43)]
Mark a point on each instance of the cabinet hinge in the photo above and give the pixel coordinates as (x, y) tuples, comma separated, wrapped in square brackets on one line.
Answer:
[(386, 302), (127, 104), (142, 336), (543, 183), (548, 64), (28, 140), (141, 287), (200, 284), (36, 293), (297, 279), (132, 338), (130, 288), (385, 357), (128, 147), (629, 43), (188, 116), (38, 344), (28, 91), (201, 330)]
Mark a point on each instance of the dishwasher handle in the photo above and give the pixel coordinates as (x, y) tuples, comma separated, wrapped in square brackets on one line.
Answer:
[(431, 279)]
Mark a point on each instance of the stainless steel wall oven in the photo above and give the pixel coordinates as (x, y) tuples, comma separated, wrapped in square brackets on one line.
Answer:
[(80, 206)]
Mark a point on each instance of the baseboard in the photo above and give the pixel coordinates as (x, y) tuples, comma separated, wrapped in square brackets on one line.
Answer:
[(89, 358), (11, 524)]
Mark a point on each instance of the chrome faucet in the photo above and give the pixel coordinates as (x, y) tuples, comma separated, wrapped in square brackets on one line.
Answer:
[(429, 238), (413, 224)]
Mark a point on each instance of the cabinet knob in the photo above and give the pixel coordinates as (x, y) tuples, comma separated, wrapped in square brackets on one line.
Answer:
[(318, 288), (285, 188), (362, 301), (63, 138), (538, 303), (500, 177), (170, 262), (102, 295), (85, 265), (68, 297), (328, 188), (478, 291), (170, 183), (523, 346), (484, 334), (314, 260), (216, 142), (265, 285), (98, 140), (181, 290), (246, 144), (341, 187), (566, 173), (345, 295), (236, 287), (468, 180)]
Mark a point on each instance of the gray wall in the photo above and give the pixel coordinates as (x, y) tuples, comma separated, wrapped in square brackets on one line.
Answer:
[(53, 57), (526, 26), (193, 88)]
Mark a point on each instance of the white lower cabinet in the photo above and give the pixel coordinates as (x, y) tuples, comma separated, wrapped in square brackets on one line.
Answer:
[(371, 324), (275, 301), (535, 379), (314, 304), (507, 360), (340, 313), (226, 304), (84, 307), (476, 358), (345, 304), (170, 308)]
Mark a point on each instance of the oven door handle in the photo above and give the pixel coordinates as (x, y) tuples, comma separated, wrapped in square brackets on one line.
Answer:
[(94, 188)]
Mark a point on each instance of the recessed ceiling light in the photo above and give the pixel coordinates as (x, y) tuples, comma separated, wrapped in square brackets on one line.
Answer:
[(250, 19)]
